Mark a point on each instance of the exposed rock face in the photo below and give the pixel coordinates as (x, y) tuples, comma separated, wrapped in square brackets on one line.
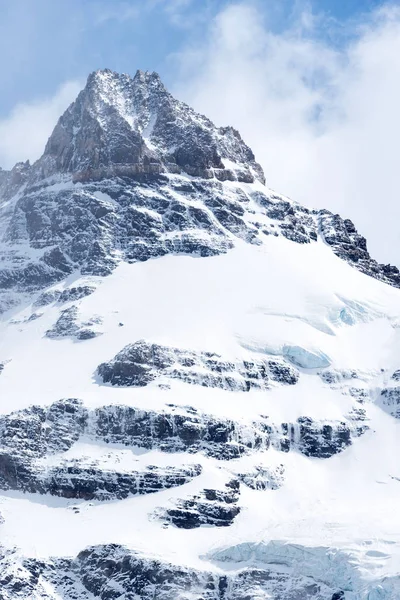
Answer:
[(321, 442), (112, 571), (122, 138), (349, 245), (68, 325), (396, 375), (212, 507), (124, 126), (140, 363), (316, 439), (102, 572), (223, 439), (72, 479), (35, 433), (21, 275), (338, 377), (73, 294), (92, 227), (38, 431), (29, 435), (296, 223), (390, 398), (12, 181), (46, 298), (263, 478)]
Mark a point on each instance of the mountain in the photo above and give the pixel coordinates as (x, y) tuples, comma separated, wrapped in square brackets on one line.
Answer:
[(199, 377)]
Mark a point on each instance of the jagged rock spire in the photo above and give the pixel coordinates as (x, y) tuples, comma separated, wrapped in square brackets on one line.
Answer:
[(120, 125)]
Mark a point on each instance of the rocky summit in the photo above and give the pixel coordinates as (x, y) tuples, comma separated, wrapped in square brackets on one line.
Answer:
[(199, 377), (130, 173)]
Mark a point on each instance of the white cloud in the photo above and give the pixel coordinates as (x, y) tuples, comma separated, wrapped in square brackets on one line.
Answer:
[(323, 122), (25, 131)]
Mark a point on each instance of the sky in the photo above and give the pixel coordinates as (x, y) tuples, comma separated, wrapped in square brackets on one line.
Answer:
[(312, 85)]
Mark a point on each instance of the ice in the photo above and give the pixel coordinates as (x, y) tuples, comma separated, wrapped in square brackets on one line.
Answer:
[(328, 565), (307, 359)]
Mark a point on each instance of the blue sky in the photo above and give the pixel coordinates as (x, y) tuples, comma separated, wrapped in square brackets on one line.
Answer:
[(46, 42), (313, 86)]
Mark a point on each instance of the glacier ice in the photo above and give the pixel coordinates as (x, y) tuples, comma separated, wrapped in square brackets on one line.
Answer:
[(307, 359)]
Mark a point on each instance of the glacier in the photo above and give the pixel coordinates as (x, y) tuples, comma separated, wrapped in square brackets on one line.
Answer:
[(198, 376), (307, 359)]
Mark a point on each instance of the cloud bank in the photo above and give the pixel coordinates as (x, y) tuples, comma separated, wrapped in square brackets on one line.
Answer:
[(24, 133), (323, 120)]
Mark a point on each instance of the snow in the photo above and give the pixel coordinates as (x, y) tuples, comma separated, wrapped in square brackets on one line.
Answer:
[(280, 299)]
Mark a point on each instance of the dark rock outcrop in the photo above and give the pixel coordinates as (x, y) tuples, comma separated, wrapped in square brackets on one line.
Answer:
[(315, 439), (223, 439), (349, 245), (30, 435), (73, 294), (76, 479), (34, 433), (68, 325), (120, 125), (294, 222), (46, 298), (142, 362), (12, 181), (217, 508), (390, 398), (396, 375), (112, 571), (37, 431)]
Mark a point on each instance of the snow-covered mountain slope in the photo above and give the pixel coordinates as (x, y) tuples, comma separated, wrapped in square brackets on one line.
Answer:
[(199, 378)]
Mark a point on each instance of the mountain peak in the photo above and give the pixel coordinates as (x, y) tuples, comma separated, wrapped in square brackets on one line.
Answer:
[(147, 77), (120, 125), (107, 79)]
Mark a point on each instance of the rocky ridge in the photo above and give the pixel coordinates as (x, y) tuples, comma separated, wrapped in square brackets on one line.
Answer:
[(130, 173), (140, 363), (111, 571), (32, 434), (215, 508)]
